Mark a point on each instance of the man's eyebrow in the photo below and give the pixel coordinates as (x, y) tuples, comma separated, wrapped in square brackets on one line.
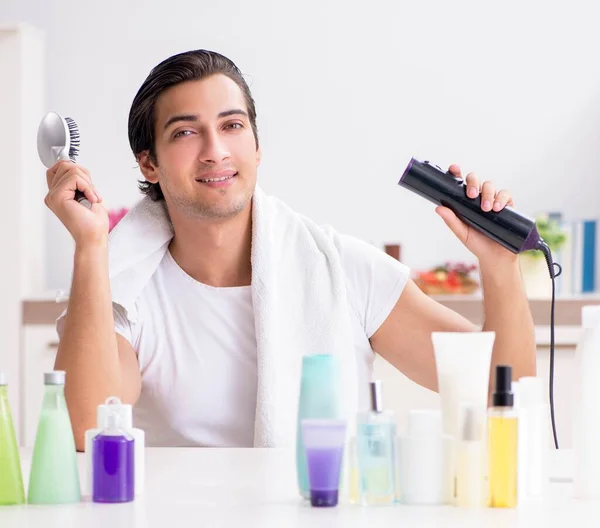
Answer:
[(191, 118), (235, 111)]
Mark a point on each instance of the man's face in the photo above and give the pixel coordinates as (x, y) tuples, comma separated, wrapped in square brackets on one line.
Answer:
[(205, 148)]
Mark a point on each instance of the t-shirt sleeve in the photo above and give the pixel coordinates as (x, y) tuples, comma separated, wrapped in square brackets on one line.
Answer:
[(374, 281), (122, 324)]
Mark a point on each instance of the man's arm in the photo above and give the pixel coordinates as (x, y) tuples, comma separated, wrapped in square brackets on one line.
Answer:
[(98, 363), (508, 314)]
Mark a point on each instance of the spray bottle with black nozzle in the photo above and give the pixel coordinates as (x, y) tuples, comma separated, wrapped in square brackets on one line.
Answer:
[(511, 229)]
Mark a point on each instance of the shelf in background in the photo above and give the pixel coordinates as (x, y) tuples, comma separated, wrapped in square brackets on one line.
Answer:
[(41, 311), (45, 310), (567, 309)]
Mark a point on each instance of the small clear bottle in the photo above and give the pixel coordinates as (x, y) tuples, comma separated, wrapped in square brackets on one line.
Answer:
[(502, 439), (376, 447)]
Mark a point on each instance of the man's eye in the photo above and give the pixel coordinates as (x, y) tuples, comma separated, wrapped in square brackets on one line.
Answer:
[(182, 133), (234, 126)]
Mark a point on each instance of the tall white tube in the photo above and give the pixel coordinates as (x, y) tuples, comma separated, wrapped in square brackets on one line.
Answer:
[(586, 422), (463, 370)]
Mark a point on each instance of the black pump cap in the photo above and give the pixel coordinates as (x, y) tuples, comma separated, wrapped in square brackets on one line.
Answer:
[(503, 396)]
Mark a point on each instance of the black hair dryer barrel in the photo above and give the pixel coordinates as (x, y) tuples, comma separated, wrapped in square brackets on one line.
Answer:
[(513, 230)]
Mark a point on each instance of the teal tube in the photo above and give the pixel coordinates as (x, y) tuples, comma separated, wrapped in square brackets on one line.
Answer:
[(320, 398)]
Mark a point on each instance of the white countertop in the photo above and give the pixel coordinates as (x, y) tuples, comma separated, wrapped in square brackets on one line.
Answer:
[(257, 488), (564, 336)]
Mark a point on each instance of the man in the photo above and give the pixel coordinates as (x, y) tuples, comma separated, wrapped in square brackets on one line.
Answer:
[(189, 361)]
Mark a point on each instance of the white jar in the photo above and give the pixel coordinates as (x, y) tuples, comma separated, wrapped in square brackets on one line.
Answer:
[(424, 460)]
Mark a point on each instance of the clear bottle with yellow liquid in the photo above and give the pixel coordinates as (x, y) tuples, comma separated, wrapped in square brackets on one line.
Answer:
[(502, 441)]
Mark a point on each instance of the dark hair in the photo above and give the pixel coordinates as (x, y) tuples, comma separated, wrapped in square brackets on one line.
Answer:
[(188, 66)]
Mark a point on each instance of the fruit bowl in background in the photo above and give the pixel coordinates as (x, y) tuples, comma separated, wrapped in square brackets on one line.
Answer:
[(450, 278)]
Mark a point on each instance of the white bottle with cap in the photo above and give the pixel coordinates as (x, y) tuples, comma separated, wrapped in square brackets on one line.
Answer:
[(424, 460), (471, 457), (113, 404), (586, 424), (533, 438)]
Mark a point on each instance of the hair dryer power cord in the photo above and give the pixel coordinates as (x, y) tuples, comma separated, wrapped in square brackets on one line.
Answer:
[(555, 270)]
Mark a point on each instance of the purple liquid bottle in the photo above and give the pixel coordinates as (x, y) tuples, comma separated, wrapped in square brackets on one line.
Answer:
[(113, 463)]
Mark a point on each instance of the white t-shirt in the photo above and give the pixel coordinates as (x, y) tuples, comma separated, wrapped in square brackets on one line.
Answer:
[(196, 347)]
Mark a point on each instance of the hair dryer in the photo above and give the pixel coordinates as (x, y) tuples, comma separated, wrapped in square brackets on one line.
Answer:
[(513, 230)]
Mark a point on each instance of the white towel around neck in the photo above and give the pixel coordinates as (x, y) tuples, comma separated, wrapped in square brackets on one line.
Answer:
[(298, 293)]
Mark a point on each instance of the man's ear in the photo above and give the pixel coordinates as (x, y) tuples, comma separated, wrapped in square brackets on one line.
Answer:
[(147, 166), (258, 156)]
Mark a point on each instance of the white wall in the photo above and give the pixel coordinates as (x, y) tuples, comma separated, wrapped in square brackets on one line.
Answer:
[(21, 100), (346, 96)]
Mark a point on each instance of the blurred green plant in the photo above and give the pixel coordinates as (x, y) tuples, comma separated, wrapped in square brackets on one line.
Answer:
[(552, 234)]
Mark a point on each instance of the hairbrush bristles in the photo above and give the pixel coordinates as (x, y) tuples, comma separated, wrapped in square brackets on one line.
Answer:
[(74, 137)]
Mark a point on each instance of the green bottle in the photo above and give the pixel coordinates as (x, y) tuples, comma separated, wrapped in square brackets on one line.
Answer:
[(54, 477), (11, 479)]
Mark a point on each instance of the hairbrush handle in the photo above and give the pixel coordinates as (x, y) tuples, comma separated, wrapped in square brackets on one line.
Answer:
[(509, 228), (79, 196)]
